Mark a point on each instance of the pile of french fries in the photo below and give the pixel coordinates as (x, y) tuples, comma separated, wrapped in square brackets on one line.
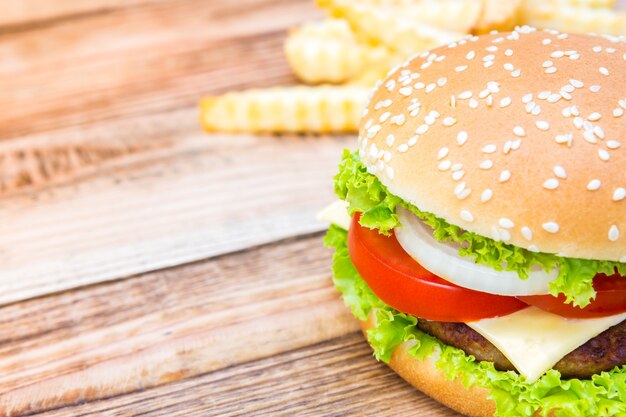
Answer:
[(339, 59)]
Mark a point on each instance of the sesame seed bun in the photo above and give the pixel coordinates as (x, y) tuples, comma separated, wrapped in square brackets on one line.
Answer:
[(518, 136)]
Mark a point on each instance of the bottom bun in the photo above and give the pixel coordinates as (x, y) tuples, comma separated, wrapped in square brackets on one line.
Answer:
[(424, 376)]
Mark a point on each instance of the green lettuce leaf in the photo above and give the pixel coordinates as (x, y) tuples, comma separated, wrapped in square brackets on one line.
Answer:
[(366, 194), (603, 395)]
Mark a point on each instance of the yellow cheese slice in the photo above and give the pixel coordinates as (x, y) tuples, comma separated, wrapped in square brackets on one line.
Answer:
[(335, 213), (535, 340)]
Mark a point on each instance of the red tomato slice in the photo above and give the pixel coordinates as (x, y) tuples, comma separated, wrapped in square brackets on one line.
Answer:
[(610, 300), (405, 285)]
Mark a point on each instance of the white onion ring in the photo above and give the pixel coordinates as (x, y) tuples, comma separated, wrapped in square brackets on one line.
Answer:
[(443, 260)]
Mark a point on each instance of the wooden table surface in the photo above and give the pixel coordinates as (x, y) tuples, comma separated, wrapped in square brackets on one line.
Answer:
[(147, 268)]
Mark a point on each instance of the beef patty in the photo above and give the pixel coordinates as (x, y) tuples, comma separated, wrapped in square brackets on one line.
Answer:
[(602, 353)]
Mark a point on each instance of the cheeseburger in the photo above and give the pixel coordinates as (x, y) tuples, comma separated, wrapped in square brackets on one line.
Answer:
[(482, 234)]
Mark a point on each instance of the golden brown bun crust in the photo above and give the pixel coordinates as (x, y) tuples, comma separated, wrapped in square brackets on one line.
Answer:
[(425, 377), (516, 174)]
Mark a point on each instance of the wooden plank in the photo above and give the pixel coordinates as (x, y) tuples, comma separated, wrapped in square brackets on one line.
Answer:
[(334, 378), (164, 194), (54, 77), (113, 338), (29, 12)]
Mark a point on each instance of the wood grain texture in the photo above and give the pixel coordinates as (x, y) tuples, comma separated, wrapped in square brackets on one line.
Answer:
[(166, 326), (138, 60), (184, 197), (333, 378), (129, 239)]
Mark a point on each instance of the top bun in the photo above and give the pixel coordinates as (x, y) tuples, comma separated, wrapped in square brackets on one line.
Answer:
[(516, 136)]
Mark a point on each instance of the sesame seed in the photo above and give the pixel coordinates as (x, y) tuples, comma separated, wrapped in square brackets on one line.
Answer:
[(491, 48), (470, 55), (527, 233), (594, 116), (527, 98), (533, 248), (547, 64), (613, 144), (430, 119), (489, 148), (613, 233), (391, 84), (597, 130), (383, 117), (553, 98), (449, 121), (560, 172), (460, 68), (486, 195), (594, 185), (505, 176), (519, 131), (464, 194), (604, 71), (506, 223), (516, 73), (444, 165), (551, 184), (486, 164), (422, 129), (406, 91), (419, 86), (413, 140), (467, 216), (473, 103), (508, 66), (576, 83), (462, 137), (568, 88), (597, 48), (619, 194), (389, 172), (543, 95), (506, 101), (457, 166), (458, 175), (508, 52), (515, 145), (443, 152), (495, 234), (557, 54), (603, 154), (546, 41), (594, 88), (561, 139), (618, 112), (465, 95), (542, 125), (442, 81), (550, 70), (430, 87), (403, 148), (550, 227), (399, 119)]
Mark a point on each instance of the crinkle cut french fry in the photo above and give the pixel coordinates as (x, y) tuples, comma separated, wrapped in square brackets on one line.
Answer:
[(321, 109), (607, 4), (501, 15), (453, 15), (329, 52), (574, 19), (388, 26)]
